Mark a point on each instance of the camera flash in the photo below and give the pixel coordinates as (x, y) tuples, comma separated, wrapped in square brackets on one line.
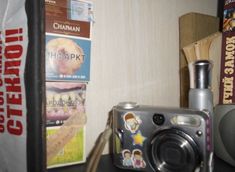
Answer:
[(193, 121)]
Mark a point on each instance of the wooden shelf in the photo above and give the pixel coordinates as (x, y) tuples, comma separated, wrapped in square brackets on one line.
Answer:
[(106, 165)]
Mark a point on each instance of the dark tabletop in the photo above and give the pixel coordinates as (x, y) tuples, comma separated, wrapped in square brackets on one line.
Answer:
[(105, 165)]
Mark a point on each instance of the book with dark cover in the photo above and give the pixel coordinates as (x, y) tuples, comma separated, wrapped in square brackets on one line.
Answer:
[(227, 76)]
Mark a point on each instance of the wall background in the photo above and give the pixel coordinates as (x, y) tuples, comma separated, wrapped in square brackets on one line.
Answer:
[(135, 55)]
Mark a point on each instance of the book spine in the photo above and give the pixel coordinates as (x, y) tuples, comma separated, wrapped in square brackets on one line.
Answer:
[(227, 80), (227, 74)]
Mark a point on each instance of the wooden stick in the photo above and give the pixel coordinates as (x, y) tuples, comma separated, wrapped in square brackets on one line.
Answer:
[(190, 53), (197, 50), (204, 45), (200, 49)]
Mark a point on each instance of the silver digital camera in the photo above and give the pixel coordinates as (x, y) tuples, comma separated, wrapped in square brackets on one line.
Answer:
[(154, 139)]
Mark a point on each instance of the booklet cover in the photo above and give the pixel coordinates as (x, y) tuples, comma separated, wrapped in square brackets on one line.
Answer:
[(65, 114), (69, 17), (229, 16), (67, 58)]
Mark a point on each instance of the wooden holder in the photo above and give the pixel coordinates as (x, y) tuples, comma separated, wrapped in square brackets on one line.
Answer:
[(208, 48), (199, 50)]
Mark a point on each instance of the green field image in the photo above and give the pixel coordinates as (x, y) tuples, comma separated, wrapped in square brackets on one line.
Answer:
[(72, 152)]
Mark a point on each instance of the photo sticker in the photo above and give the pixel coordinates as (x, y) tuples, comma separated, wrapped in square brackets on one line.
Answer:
[(127, 158), (132, 122), (137, 158)]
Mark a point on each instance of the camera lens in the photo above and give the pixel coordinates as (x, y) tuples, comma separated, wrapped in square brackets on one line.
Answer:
[(158, 119), (173, 150)]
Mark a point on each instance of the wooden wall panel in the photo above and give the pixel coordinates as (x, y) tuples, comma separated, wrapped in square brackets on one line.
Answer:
[(135, 55)]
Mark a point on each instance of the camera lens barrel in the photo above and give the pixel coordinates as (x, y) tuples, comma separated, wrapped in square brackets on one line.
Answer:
[(173, 150)]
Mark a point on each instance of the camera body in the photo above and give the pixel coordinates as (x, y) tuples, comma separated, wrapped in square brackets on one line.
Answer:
[(224, 132), (155, 139)]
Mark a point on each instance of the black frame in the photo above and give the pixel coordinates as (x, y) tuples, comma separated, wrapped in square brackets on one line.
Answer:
[(220, 12), (35, 87)]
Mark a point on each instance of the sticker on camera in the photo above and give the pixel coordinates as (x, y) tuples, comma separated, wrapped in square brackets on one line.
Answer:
[(127, 158), (132, 122), (138, 160), (133, 159), (138, 139)]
